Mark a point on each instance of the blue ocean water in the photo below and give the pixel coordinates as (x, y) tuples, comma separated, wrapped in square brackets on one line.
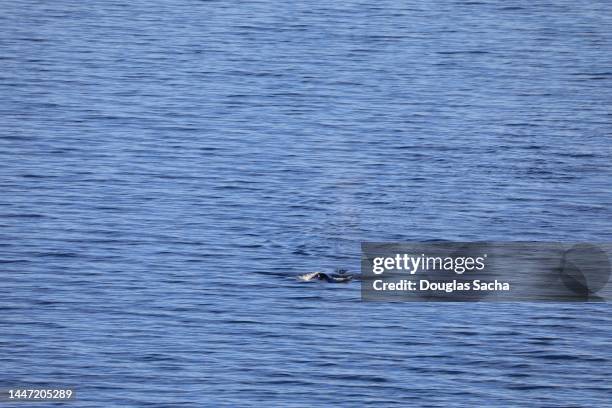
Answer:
[(167, 168)]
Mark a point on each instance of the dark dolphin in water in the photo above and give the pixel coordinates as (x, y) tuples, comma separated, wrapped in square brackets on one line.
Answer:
[(340, 276)]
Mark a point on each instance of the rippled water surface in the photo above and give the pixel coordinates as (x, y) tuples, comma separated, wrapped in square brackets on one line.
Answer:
[(167, 168)]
